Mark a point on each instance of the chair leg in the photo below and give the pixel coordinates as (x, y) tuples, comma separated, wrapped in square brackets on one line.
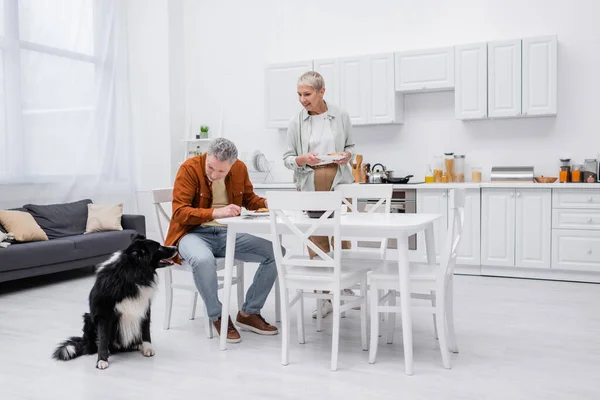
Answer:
[(453, 346), (240, 284), (433, 302), (208, 325), (382, 315), (391, 322), (285, 327), (277, 302), (440, 318), (375, 320), (335, 340), (194, 301), (300, 318), (168, 297), (363, 315)]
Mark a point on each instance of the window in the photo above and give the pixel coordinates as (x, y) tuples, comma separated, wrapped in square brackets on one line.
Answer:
[(49, 77)]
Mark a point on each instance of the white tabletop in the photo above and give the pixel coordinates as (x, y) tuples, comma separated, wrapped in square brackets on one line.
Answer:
[(364, 225)]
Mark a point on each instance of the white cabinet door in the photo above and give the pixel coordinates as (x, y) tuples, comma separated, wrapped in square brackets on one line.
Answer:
[(469, 250), (533, 228), (470, 94), (540, 76), (383, 104), (504, 78), (498, 227), (425, 70), (354, 88), (330, 70), (436, 202), (282, 98)]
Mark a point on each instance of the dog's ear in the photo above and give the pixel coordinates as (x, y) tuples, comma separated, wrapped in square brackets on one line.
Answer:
[(137, 236)]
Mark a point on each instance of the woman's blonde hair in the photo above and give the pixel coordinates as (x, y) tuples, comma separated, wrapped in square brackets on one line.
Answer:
[(312, 79)]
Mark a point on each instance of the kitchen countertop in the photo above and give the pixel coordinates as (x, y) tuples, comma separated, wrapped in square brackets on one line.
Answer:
[(466, 185)]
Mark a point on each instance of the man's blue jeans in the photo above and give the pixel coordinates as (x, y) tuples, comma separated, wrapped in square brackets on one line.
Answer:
[(199, 249)]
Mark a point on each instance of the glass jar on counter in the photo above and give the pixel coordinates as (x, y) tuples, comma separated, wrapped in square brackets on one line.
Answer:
[(459, 168), (476, 173), (438, 169), (565, 170), (449, 166), (576, 173), (590, 168), (429, 175)]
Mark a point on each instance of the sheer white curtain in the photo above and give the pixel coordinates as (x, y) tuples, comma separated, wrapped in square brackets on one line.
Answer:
[(64, 103)]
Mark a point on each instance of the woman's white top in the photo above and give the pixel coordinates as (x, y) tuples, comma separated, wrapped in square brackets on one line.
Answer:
[(321, 137)]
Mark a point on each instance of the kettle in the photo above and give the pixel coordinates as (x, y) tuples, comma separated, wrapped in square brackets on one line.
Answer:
[(377, 176)]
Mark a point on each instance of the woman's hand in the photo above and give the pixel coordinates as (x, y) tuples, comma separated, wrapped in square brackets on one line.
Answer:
[(344, 161), (308, 158)]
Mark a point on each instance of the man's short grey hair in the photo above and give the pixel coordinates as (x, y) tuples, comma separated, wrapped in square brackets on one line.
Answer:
[(312, 79), (223, 149)]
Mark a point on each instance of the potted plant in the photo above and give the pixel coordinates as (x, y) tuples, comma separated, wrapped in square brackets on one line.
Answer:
[(203, 132)]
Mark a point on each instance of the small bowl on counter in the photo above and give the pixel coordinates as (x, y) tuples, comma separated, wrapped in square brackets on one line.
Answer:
[(545, 179)]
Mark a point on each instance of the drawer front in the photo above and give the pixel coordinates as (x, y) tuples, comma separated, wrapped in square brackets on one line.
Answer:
[(576, 198), (576, 250), (575, 219)]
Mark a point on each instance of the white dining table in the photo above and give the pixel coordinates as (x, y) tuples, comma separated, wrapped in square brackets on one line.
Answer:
[(373, 225)]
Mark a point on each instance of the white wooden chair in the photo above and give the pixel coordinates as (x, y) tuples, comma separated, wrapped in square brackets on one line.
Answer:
[(428, 282), (160, 197), (303, 276)]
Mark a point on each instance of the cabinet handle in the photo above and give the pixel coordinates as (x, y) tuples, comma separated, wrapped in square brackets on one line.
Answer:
[(589, 251), (590, 199), (512, 194), (444, 194), (518, 194), (589, 220)]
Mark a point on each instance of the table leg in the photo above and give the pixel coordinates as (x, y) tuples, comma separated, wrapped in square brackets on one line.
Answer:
[(229, 257), (430, 245), (404, 275)]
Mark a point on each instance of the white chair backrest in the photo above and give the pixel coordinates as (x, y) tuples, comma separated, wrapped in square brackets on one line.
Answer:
[(160, 196), (456, 219), (286, 208)]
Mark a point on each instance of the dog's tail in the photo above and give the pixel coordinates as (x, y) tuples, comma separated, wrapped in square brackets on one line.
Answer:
[(76, 346)]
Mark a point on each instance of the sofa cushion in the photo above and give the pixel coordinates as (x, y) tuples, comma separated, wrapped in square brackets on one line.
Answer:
[(22, 225), (100, 243), (60, 220), (28, 255), (104, 218)]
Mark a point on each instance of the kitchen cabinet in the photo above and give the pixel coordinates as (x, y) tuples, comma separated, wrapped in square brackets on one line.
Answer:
[(504, 78), (540, 64), (436, 201), (330, 70), (425, 70), (367, 90), (470, 94), (515, 227), (522, 77), (576, 229), (281, 94)]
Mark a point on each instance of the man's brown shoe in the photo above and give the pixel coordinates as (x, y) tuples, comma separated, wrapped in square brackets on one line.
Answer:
[(233, 336), (255, 323)]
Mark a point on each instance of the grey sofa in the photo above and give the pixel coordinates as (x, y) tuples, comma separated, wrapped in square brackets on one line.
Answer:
[(64, 250)]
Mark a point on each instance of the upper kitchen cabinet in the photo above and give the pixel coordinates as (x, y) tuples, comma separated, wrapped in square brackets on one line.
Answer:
[(367, 90), (522, 77), (470, 95), (330, 70), (504, 78), (425, 70), (540, 76), (282, 99)]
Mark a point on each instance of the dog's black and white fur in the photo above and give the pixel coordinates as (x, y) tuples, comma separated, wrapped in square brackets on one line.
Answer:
[(119, 317)]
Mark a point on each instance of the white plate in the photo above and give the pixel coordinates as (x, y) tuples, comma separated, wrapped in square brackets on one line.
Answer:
[(254, 213), (325, 157)]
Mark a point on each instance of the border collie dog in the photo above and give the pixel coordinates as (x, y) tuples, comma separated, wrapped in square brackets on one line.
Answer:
[(119, 317)]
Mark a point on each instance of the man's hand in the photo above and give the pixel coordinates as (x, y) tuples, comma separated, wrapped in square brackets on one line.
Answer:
[(308, 158), (343, 161), (226, 212)]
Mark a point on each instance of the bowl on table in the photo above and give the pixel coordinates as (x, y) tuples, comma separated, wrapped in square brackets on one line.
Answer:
[(545, 179)]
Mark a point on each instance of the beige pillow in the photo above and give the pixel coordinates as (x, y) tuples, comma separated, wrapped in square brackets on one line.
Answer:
[(22, 225), (104, 218)]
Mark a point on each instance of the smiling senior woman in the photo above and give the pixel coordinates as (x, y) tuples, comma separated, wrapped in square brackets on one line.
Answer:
[(320, 128)]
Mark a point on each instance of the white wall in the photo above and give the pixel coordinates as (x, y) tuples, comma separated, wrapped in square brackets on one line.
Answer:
[(228, 44)]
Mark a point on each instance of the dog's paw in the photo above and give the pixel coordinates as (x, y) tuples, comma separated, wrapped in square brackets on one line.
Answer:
[(101, 364), (146, 349)]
